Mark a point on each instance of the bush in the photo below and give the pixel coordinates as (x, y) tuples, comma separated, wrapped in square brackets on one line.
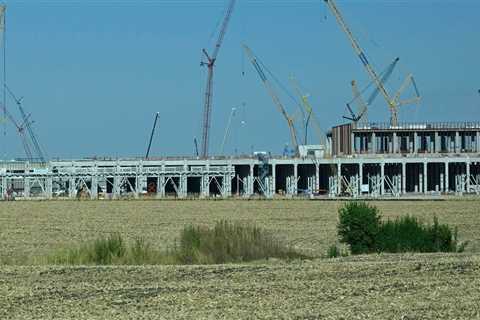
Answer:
[(408, 234), (229, 242), (358, 226)]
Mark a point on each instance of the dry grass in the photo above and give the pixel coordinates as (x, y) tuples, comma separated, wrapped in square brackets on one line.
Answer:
[(388, 287), (420, 286), (32, 229)]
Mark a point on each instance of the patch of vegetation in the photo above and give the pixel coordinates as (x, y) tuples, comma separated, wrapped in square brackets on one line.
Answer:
[(230, 242), (360, 227), (106, 251), (225, 242)]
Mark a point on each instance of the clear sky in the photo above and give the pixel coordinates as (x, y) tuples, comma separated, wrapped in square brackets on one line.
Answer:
[(93, 73)]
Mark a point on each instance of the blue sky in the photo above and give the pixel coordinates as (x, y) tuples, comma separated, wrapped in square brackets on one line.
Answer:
[(93, 73)]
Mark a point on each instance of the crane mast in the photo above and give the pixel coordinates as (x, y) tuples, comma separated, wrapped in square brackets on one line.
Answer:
[(273, 95), (210, 63), (393, 106)]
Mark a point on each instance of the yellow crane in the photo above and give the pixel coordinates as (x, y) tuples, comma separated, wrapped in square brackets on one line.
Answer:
[(393, 102), (274, 96), (310, 115)]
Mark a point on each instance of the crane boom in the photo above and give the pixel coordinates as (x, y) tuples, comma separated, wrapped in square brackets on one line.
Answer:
[(38, 150), (273, 95), (368, 67), (151, 135), (210, 63), (20, 131)]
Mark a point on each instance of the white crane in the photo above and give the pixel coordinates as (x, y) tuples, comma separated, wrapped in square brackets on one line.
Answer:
[(393, 102)]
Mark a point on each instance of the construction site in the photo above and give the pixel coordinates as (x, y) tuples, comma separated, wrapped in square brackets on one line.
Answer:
[(355, 159)]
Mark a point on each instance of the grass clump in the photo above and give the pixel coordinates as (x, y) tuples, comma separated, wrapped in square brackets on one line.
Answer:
[(225, 242), (107, 251), (230, 242), (360, 227)]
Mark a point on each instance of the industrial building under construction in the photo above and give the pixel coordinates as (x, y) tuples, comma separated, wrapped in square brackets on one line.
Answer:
[(355, 159)]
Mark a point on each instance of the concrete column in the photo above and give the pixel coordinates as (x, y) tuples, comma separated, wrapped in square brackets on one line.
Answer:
[(48, 187), (468, 175), (382, 178), (352, 143), (395, 143), (425, 178), (26, 187), (404, 177), (446, 178), (274, 178), (72, 188), (317, 178), (295, 177), (250, 180), (4, 187), (457, 142), (437, 142), (339, 178), (360, 176), (93, 187), (478, 141), (374, 143), (415, 142)]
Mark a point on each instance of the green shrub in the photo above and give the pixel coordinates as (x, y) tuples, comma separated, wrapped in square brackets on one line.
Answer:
[(229, 242), (358, 226), (408, 234)]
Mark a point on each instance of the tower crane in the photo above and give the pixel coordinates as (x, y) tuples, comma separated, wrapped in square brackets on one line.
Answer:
[(27, 123), (273, 95), (310, 115), (393, 102), (210, 63), (362, 105)]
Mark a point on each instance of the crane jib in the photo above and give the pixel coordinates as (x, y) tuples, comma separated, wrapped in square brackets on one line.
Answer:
[(363, 59), (259, 70)]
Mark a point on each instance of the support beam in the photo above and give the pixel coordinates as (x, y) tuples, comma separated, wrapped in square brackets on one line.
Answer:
[(317, 178), (360, 177), (404, 177), (437, 143)]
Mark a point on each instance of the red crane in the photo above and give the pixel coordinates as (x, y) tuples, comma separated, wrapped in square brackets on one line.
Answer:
[(210, 63)]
